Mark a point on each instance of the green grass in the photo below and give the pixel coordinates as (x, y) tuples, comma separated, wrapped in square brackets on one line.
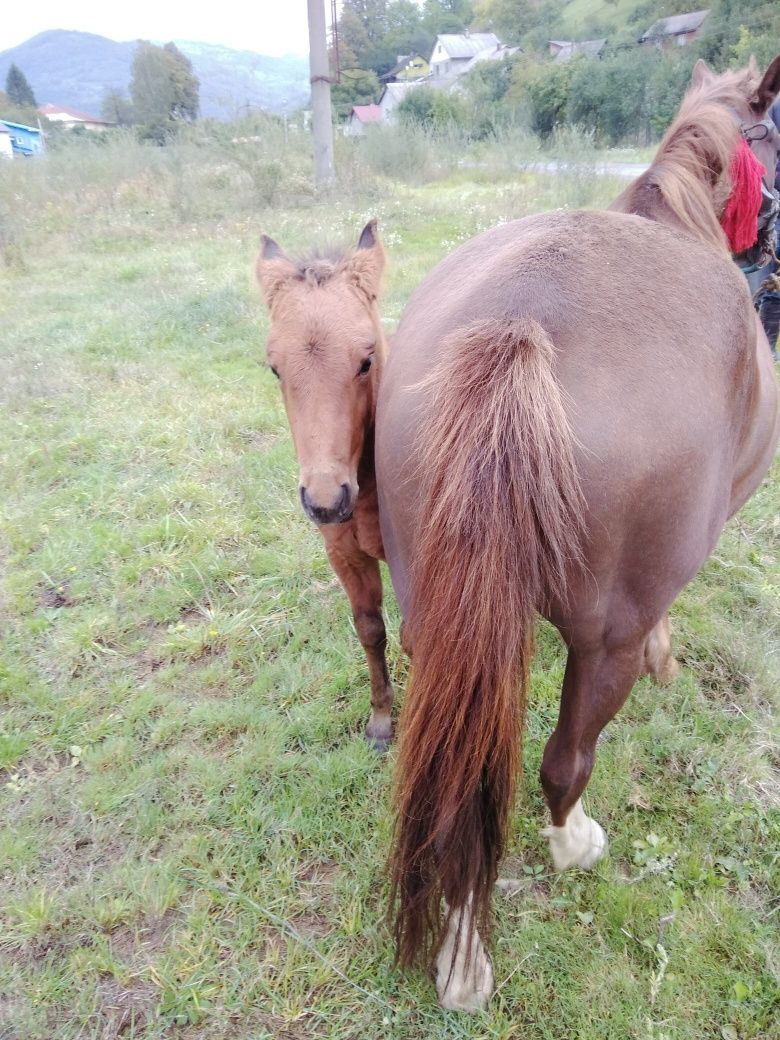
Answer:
[(193, 830)]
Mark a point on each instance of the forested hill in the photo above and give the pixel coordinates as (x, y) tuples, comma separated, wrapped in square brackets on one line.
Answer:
[(77, 69)]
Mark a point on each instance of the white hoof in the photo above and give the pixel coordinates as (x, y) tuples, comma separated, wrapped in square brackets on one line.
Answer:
[(464, 980), (580, 842)]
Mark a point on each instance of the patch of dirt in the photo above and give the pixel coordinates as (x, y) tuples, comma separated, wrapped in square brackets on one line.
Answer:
[(137, 945), (123, 1010), (320, 872), (55, 597), (312, 925)]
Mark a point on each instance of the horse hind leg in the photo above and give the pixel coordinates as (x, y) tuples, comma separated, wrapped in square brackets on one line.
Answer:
[(595, 686), (659, 662), (464, 974)]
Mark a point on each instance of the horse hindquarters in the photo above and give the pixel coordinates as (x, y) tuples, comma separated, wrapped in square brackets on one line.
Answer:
[(501, 508)]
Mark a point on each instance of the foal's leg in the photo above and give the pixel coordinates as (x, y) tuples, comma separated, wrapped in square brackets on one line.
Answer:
[(360, 576), (595, 686), (659, 660)]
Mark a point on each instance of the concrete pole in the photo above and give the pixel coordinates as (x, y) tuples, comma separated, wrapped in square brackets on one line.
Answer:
[(321, 119)]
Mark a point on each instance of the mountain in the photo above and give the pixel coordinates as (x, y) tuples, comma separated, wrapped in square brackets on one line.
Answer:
[(76, 69)]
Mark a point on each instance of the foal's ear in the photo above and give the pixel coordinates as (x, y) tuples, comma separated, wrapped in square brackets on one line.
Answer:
[(768, 88), (365, 266), (273, 268), (701, 74)]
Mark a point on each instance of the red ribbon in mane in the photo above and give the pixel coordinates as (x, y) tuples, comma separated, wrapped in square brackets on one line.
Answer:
[(740, 216)]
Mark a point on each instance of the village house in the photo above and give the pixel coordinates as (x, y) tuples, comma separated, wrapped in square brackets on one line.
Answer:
[(408, 68), (453, 52), (360, 117), (391, 98), (564, 50), (24, 140), (676, 31), (70, 117), (6, 148)]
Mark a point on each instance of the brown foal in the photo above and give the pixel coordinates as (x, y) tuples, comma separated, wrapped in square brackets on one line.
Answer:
[(326, 347)]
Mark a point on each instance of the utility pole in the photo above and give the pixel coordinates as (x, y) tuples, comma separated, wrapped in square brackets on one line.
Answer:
[(321, 119)]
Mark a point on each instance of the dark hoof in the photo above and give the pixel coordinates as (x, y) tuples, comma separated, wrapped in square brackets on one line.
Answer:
[(379, 744)]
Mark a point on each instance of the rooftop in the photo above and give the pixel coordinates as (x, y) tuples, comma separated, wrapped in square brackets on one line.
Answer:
[(467, 45), (367, 113), (675, 25)]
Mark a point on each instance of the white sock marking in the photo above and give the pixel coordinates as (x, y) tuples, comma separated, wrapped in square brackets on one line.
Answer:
[(580, 842)]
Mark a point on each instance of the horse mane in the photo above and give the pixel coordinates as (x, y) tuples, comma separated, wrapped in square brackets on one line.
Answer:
[(689, 176), (322, 264)]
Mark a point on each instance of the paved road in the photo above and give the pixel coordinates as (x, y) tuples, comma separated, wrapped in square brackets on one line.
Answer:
[(613, 169)]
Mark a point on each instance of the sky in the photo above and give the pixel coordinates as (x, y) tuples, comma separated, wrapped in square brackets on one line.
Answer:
[(266, 26)]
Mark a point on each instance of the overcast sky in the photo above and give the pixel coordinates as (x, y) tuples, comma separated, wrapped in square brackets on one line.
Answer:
[(265, 26)]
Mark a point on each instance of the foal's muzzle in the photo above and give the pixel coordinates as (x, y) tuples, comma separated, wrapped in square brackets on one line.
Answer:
[(337, 512)]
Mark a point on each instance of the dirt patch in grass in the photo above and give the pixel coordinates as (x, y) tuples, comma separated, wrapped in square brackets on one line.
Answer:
[(123, 1010), (55, 597), (137, 945), (312, 925)]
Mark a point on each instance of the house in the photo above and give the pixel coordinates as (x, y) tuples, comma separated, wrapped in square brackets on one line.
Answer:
[(6, 150), (677, 30), (564, 50), (391, 98), (25, 140), (452, 53), (498, 53), (409, 67), (70, 117), (360, 117)]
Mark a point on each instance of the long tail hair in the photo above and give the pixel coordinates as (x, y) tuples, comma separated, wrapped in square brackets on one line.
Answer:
[(500, 526)]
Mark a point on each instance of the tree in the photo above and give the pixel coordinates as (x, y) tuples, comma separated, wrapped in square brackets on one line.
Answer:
[(163, 87), (549, 94), (356, 87), (185, 84), (18, 89), (116, 108)]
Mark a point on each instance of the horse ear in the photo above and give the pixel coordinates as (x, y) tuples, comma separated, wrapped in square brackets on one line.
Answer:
[(368, 235), (365, 266), (768, 88), (273, 268), (701, 74)]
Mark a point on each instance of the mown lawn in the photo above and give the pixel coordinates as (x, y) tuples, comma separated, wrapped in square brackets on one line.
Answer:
[(193, 831)]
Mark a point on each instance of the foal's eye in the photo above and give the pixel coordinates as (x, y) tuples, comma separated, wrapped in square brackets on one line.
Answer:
[(365, 366)]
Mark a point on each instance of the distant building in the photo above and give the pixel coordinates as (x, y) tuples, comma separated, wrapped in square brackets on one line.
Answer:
[(564, 50), (452, 53), (497, 53), (70, 117), (408, 68), (676, 31), (25, 140), (391, 98), (360, 118), (6, 149)]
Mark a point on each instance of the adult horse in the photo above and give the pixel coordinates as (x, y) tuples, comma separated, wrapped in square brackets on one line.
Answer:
[(575, 404), (326, 348)]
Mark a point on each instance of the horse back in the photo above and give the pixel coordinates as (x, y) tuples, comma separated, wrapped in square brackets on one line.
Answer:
[(655, 350)]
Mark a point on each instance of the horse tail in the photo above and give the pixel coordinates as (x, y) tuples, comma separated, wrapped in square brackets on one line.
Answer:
[(500, 527)]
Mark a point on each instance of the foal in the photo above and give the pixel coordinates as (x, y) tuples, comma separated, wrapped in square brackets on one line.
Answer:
[(326, 347)]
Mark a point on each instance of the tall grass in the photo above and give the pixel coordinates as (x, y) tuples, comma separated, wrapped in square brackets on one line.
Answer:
[(214, 173)]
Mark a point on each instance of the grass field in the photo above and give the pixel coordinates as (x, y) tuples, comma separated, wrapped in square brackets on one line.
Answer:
[(193, 831)]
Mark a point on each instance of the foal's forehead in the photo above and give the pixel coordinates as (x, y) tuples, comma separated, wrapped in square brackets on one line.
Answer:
[(315, 317)]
